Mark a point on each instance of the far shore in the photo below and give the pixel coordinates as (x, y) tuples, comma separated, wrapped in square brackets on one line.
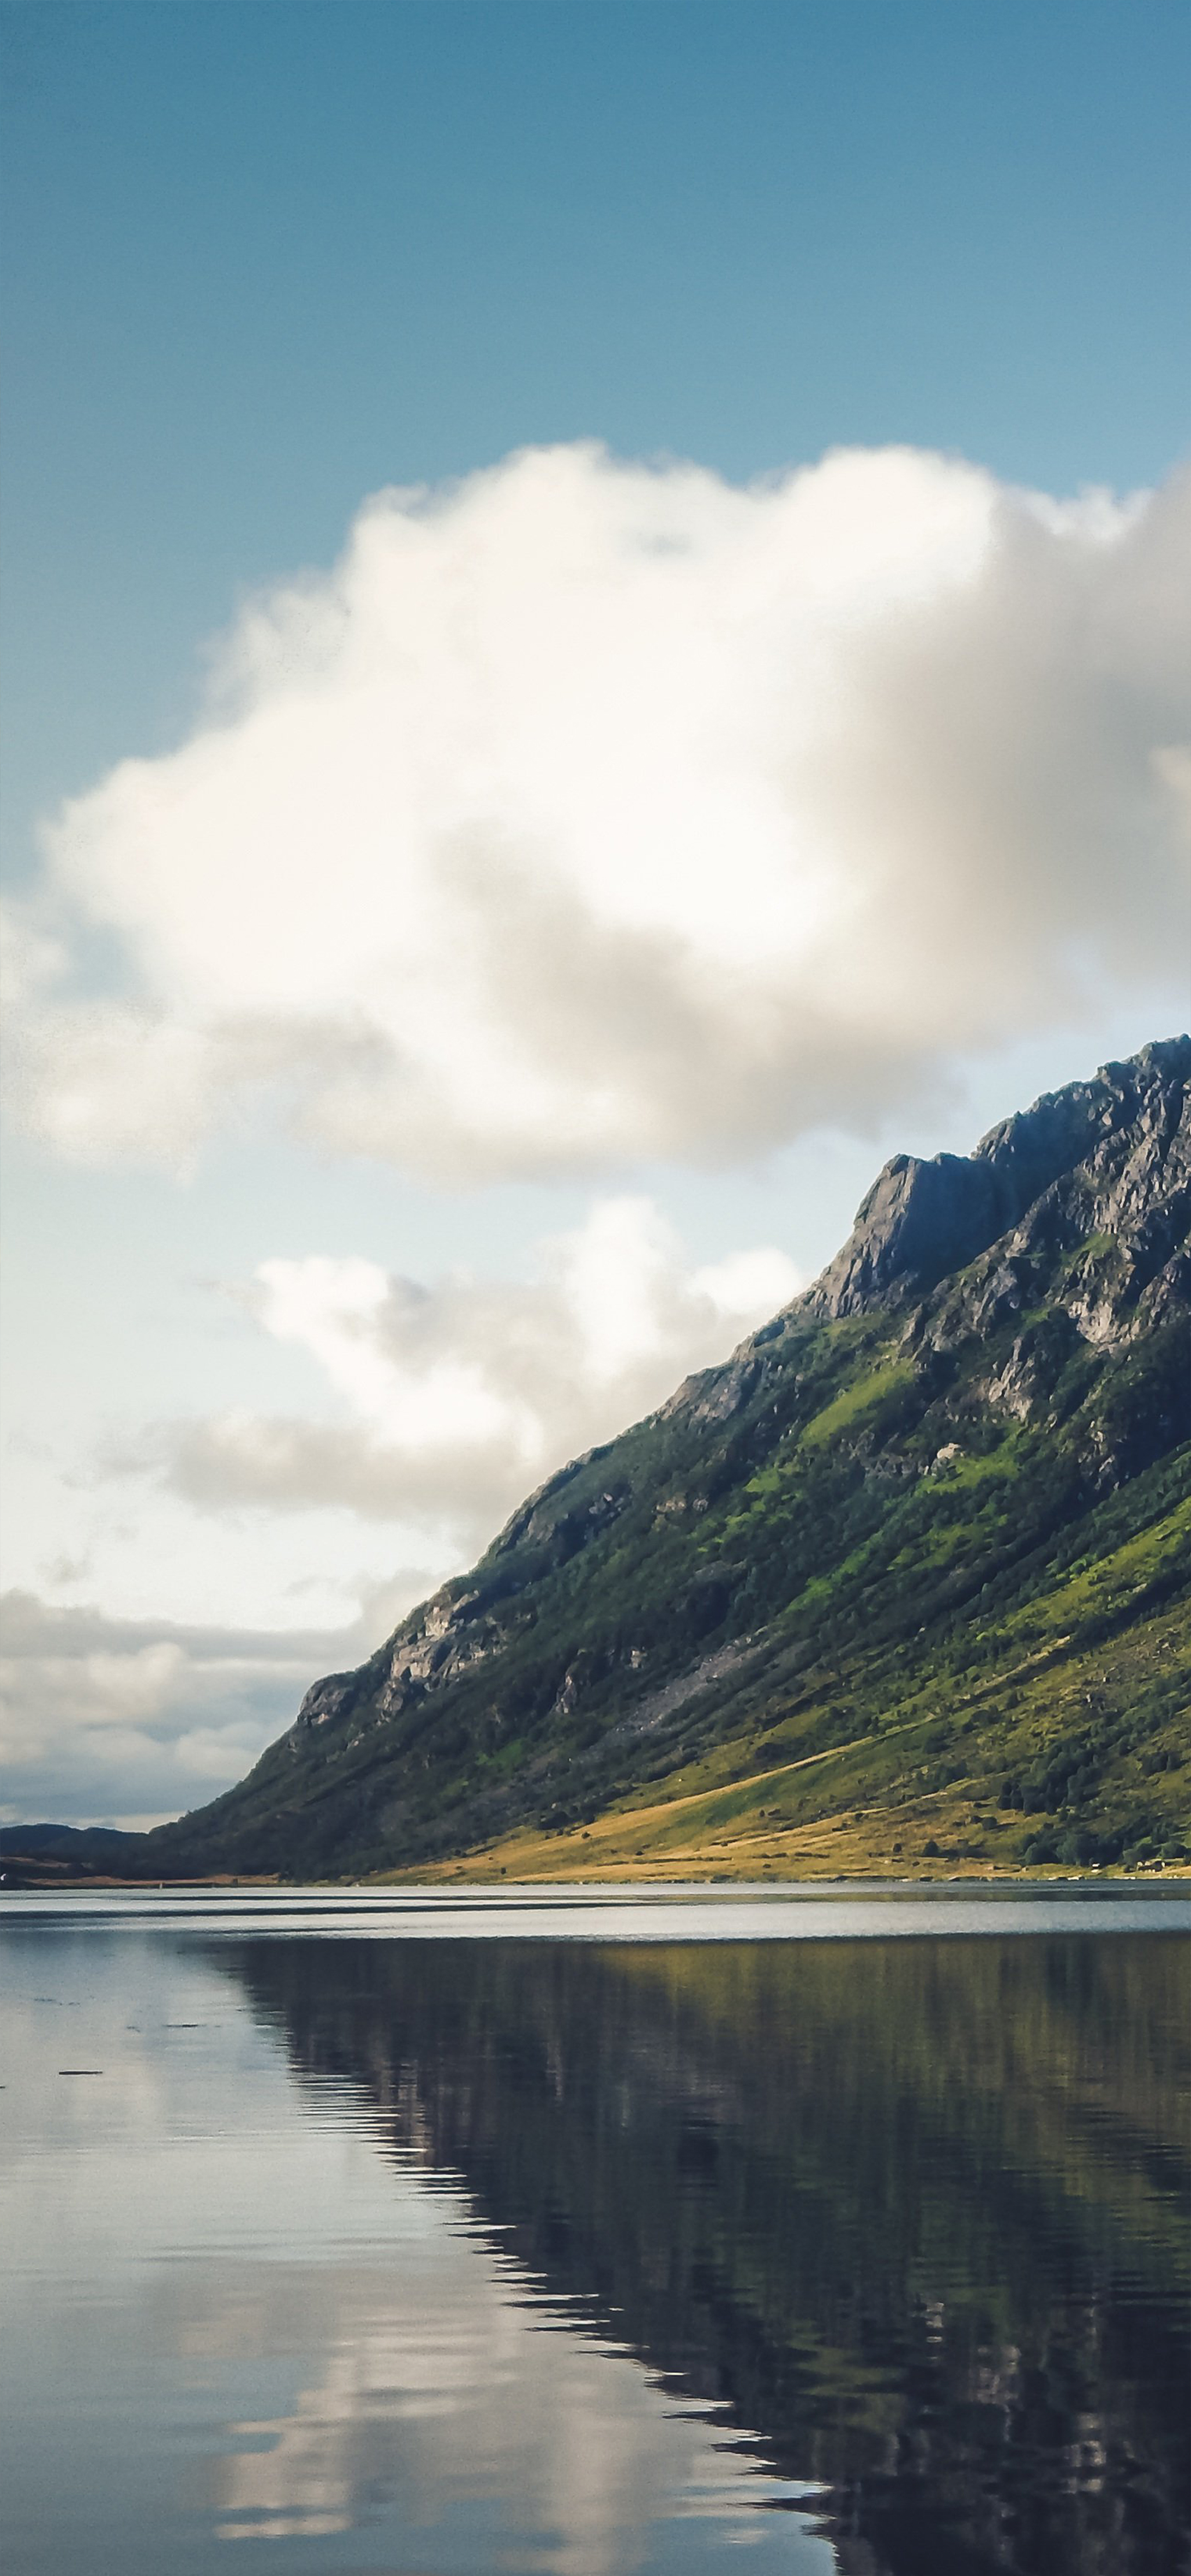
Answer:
[(452, 1877)]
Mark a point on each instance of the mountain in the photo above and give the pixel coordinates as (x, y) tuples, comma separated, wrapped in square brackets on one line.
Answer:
[(903, 1582)]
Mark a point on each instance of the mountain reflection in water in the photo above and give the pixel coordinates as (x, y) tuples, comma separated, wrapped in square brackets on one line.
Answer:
[(910, 2215), (491, 2256)]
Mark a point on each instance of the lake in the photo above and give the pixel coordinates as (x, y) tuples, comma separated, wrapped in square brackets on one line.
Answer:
[(823, 2233)]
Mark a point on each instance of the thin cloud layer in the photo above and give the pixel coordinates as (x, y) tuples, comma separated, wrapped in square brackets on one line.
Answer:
[(590, 812), (127, 1722), (461, 1397), (115, 1721)]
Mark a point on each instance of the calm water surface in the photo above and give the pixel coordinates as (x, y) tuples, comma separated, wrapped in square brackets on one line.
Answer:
[(585, 2235)]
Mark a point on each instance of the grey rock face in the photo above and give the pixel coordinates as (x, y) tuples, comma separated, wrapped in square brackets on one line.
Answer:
[(325, 1701), (1121, 1145), (1105, 1240), (918, 1221)]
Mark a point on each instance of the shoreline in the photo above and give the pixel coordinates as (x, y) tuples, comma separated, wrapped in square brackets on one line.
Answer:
[(449, 1881)]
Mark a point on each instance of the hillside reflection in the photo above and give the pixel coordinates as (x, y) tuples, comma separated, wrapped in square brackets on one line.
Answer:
[(910, 2214)]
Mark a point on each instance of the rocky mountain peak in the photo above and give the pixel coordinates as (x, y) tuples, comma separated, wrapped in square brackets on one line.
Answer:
[(923, 1220)]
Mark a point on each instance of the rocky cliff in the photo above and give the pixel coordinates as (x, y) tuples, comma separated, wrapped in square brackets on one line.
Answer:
[(1101, 1168), (956, 1467)]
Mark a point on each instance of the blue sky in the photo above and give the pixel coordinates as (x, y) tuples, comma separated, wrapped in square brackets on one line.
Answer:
[(264, 259)]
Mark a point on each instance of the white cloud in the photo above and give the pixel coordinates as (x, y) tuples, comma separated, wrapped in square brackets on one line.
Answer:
[(591, 812), (121, 1721), (463, 1396)]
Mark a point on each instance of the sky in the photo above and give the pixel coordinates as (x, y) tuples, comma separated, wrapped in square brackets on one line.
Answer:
[(595, 639)]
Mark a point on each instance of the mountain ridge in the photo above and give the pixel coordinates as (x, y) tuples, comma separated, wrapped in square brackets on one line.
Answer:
[(955, 1465)]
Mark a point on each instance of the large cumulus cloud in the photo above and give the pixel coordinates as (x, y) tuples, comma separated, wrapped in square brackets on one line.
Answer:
[(590, 811)]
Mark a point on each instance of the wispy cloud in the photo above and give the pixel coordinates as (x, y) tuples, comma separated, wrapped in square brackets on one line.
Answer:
[(461, 1396), (592, 812)]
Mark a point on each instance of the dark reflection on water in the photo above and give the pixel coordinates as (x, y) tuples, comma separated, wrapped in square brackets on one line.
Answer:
[(914, 2214), (436, 2257)]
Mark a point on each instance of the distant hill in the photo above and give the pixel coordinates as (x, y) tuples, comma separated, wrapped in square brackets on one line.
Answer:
[(903, 1583), (41, 1854)]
